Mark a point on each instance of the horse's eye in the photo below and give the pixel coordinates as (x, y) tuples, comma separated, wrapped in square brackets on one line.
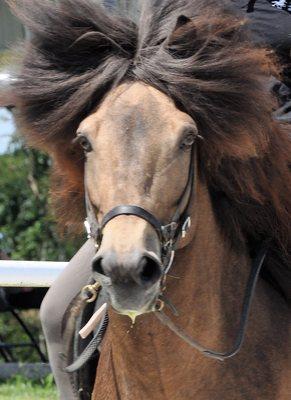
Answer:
[(188, 141), (84, 142)]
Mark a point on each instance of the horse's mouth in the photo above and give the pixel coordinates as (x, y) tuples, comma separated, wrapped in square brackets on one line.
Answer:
[(133, 314), (133, 311), (128, 298)]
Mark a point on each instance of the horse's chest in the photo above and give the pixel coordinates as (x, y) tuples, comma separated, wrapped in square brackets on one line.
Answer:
[(139, 366)]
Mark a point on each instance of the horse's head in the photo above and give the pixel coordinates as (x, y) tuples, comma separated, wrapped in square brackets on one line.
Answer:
[(138, 143), (138, 151)]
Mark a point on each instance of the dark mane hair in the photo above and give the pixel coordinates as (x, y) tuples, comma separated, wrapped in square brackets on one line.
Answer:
[(200, 55)]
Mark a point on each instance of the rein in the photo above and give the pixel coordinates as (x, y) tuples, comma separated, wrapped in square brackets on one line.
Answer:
[(248, 297)]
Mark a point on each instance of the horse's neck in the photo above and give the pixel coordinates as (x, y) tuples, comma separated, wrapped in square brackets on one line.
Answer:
[(212, 280), (148, 361)]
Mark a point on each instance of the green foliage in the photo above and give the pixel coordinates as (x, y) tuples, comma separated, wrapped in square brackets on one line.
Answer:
[(27, 228)]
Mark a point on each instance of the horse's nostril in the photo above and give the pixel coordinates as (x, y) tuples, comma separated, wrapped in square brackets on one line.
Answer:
[(150, 270), (144, 272), (97, 265)]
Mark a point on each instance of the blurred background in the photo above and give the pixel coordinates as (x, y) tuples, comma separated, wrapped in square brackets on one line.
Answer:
[(27, 232)]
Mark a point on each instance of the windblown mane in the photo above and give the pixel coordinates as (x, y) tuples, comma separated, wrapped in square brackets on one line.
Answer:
[(200, 55)]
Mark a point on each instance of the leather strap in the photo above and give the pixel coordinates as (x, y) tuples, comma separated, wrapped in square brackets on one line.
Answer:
[(132, 210), (247, 302), (91, 223), (91, 348)]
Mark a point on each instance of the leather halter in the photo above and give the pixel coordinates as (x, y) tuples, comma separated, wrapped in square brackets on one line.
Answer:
[(168, 234)]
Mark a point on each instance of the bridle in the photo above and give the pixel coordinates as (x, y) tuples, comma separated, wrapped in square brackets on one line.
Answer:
[(169, 236)]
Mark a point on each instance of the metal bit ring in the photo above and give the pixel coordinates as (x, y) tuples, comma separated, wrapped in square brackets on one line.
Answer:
[(92, 289), (159, 305)]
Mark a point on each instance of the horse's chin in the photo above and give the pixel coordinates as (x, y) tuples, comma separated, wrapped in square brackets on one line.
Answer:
[(134, 312)]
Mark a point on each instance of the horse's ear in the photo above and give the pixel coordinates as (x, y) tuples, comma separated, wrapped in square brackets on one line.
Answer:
[(181, 26), (181, 21), (179, 41)]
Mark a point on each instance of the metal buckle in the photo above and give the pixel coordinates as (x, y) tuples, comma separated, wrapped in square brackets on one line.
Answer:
[(88, 228), (186, 226), (170, 263), (168, 231), (98, 237)]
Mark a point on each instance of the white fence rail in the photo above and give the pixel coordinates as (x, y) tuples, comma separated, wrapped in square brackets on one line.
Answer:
[(29, 273)]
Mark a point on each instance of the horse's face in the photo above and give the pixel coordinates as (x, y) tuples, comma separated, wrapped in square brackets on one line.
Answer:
[(138, 153)]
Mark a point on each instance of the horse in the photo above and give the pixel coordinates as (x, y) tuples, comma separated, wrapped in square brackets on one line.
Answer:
[(158, 124)]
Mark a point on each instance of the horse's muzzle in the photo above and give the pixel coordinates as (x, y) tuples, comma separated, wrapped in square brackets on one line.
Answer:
[(134, 279)]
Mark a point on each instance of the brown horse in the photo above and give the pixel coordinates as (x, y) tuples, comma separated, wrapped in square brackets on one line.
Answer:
[(180, 98)]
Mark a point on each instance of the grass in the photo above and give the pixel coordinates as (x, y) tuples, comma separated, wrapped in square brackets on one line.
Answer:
[(20, 389)]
